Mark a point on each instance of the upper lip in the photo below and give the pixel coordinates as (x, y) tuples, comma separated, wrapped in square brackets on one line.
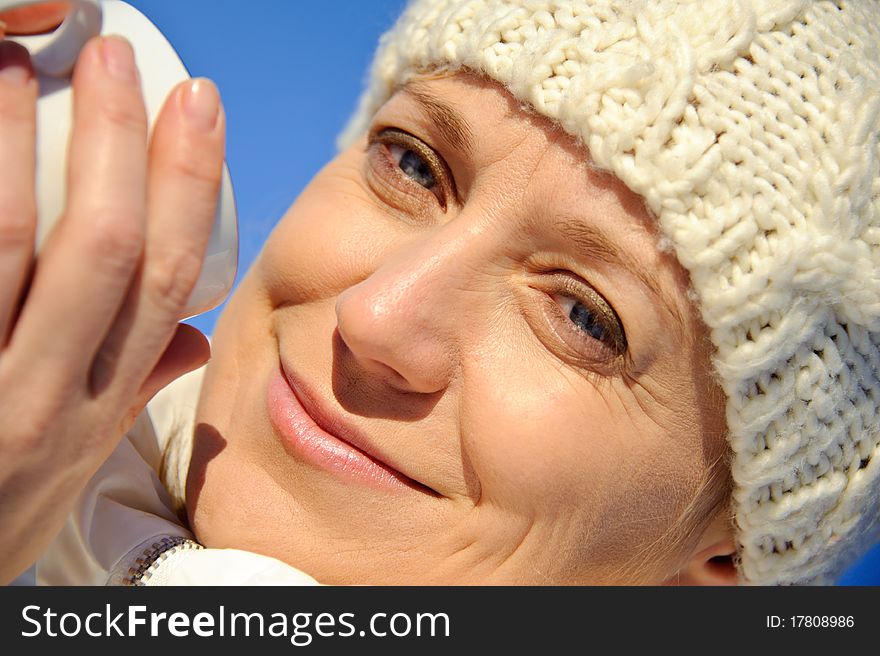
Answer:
[(332, 423)]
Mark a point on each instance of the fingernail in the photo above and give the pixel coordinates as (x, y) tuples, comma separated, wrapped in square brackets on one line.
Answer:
[(14, 63), (119, 58), (201, 104)]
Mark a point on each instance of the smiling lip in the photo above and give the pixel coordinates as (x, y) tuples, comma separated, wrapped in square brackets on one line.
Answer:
[(310, 433)]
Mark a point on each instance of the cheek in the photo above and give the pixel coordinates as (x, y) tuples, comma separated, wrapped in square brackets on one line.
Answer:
[(329, 239), (586, 461), (537, 433)]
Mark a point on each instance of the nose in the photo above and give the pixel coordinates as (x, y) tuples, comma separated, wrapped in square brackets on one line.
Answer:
[(399, 324)]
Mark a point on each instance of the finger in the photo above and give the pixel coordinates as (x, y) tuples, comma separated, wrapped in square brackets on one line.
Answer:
[(186, 163), (188, 350), (18, 95), (89, 259)]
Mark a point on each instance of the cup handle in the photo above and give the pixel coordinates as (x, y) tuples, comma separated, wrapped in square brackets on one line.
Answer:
[(57, 57)]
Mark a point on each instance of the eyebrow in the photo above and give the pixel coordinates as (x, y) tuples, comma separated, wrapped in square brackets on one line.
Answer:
[(596, 244), (449, 122)]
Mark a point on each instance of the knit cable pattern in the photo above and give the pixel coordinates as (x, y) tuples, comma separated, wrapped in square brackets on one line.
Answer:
[(752, 129)]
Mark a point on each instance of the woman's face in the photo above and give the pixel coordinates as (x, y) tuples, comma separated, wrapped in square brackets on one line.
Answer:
[(460, 358)]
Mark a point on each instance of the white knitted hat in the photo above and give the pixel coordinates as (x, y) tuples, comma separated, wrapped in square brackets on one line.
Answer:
[(752, 129)]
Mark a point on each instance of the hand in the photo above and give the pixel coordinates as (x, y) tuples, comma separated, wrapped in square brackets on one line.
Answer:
[(89, 332)]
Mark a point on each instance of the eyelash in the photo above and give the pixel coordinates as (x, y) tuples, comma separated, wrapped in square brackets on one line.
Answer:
[(584, 349), (392, 182)]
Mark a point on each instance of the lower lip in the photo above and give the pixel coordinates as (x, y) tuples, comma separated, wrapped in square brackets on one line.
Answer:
[(305, 440)]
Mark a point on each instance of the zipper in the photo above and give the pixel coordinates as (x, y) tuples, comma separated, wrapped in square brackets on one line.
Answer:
[(152, 557)]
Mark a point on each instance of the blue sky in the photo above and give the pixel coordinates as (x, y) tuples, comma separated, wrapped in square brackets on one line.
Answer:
[(290, 73)]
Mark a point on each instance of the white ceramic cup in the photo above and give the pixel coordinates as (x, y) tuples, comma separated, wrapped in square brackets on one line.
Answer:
[(53, 56)]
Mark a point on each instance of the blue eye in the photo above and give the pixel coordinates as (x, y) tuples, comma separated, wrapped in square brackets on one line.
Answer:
[(408, 165), (413, 165), (579, 325), (585, 319)]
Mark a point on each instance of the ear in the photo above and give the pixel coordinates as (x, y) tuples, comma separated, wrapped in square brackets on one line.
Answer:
[(712, 562)]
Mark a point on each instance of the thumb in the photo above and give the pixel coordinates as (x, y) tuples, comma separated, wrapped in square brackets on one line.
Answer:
[(188, 350)]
